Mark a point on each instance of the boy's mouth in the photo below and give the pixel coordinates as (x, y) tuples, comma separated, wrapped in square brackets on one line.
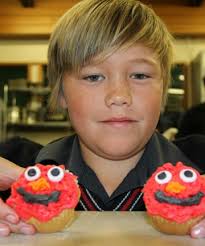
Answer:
[(119, 121)]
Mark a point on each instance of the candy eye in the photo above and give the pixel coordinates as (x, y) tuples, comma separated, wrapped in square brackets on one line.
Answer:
[(56, 174), (32, 173), (163, 177), (188, 175)]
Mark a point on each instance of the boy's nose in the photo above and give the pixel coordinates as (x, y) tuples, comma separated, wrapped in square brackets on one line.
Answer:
[(118, 94)]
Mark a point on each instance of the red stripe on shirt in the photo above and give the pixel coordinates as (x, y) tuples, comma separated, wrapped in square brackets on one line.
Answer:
[(130, 200), (87, 200)]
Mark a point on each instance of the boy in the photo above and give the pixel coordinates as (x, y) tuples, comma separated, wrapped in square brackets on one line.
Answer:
[(109, 66)]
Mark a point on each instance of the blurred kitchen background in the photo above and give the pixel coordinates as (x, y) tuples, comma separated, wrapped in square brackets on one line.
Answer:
[(25, 27)]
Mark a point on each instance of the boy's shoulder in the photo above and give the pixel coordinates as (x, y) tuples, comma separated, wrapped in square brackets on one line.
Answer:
[(193, 146), (162, 150), (161, 145), (57, 151)]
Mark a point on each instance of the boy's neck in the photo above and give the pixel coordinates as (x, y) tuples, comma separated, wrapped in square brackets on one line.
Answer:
[(110, 173)]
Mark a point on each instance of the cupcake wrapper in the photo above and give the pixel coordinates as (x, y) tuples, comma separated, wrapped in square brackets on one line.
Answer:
[(58, 223), (171, 227)]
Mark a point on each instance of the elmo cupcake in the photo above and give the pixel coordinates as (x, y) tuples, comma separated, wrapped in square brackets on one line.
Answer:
[(45, 196), (175, 198)]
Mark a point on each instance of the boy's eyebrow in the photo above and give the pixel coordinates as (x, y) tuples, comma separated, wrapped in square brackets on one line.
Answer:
[(145, 60), (149, 61)]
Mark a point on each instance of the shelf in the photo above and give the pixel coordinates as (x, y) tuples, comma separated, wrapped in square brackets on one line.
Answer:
[(34, 90), (176, 91), (42, 124)]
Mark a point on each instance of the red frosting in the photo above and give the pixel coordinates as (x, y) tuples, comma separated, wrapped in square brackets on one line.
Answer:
[(178, 188), (69, 194)]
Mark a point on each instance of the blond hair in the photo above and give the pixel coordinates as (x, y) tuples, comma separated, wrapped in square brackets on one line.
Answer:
[(100, 27)]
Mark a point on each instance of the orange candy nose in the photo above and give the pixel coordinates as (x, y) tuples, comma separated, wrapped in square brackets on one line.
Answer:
[(40, 184), (174, 187)]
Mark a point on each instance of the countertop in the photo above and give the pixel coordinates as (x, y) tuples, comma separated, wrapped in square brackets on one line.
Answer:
[(104, 228)]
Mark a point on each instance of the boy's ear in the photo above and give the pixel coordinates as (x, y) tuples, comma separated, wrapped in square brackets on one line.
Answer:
[(62, 101)]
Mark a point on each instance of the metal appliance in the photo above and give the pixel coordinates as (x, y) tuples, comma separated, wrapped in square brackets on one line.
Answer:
[(198, 72)]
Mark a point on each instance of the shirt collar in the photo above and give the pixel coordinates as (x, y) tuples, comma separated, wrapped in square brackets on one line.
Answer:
[(86, 176), (136, 177)]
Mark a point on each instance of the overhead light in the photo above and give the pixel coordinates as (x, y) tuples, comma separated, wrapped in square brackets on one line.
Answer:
[(181, 77)]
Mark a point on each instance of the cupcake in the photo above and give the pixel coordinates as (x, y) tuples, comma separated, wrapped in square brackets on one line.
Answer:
[(174, 197), (45, 196)]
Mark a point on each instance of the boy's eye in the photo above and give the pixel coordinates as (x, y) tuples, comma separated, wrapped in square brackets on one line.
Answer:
[(140, 76), (94, 77)]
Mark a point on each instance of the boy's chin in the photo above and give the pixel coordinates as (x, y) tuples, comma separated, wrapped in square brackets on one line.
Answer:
[(119, 152)]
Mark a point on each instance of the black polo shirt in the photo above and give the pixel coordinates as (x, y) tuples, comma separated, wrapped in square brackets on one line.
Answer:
[(128, 195)]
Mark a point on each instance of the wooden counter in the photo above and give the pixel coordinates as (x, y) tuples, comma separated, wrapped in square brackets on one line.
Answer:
[(19, 22), (102, 229)]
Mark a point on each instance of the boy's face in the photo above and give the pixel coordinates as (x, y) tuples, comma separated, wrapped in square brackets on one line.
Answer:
[(114, 105)]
